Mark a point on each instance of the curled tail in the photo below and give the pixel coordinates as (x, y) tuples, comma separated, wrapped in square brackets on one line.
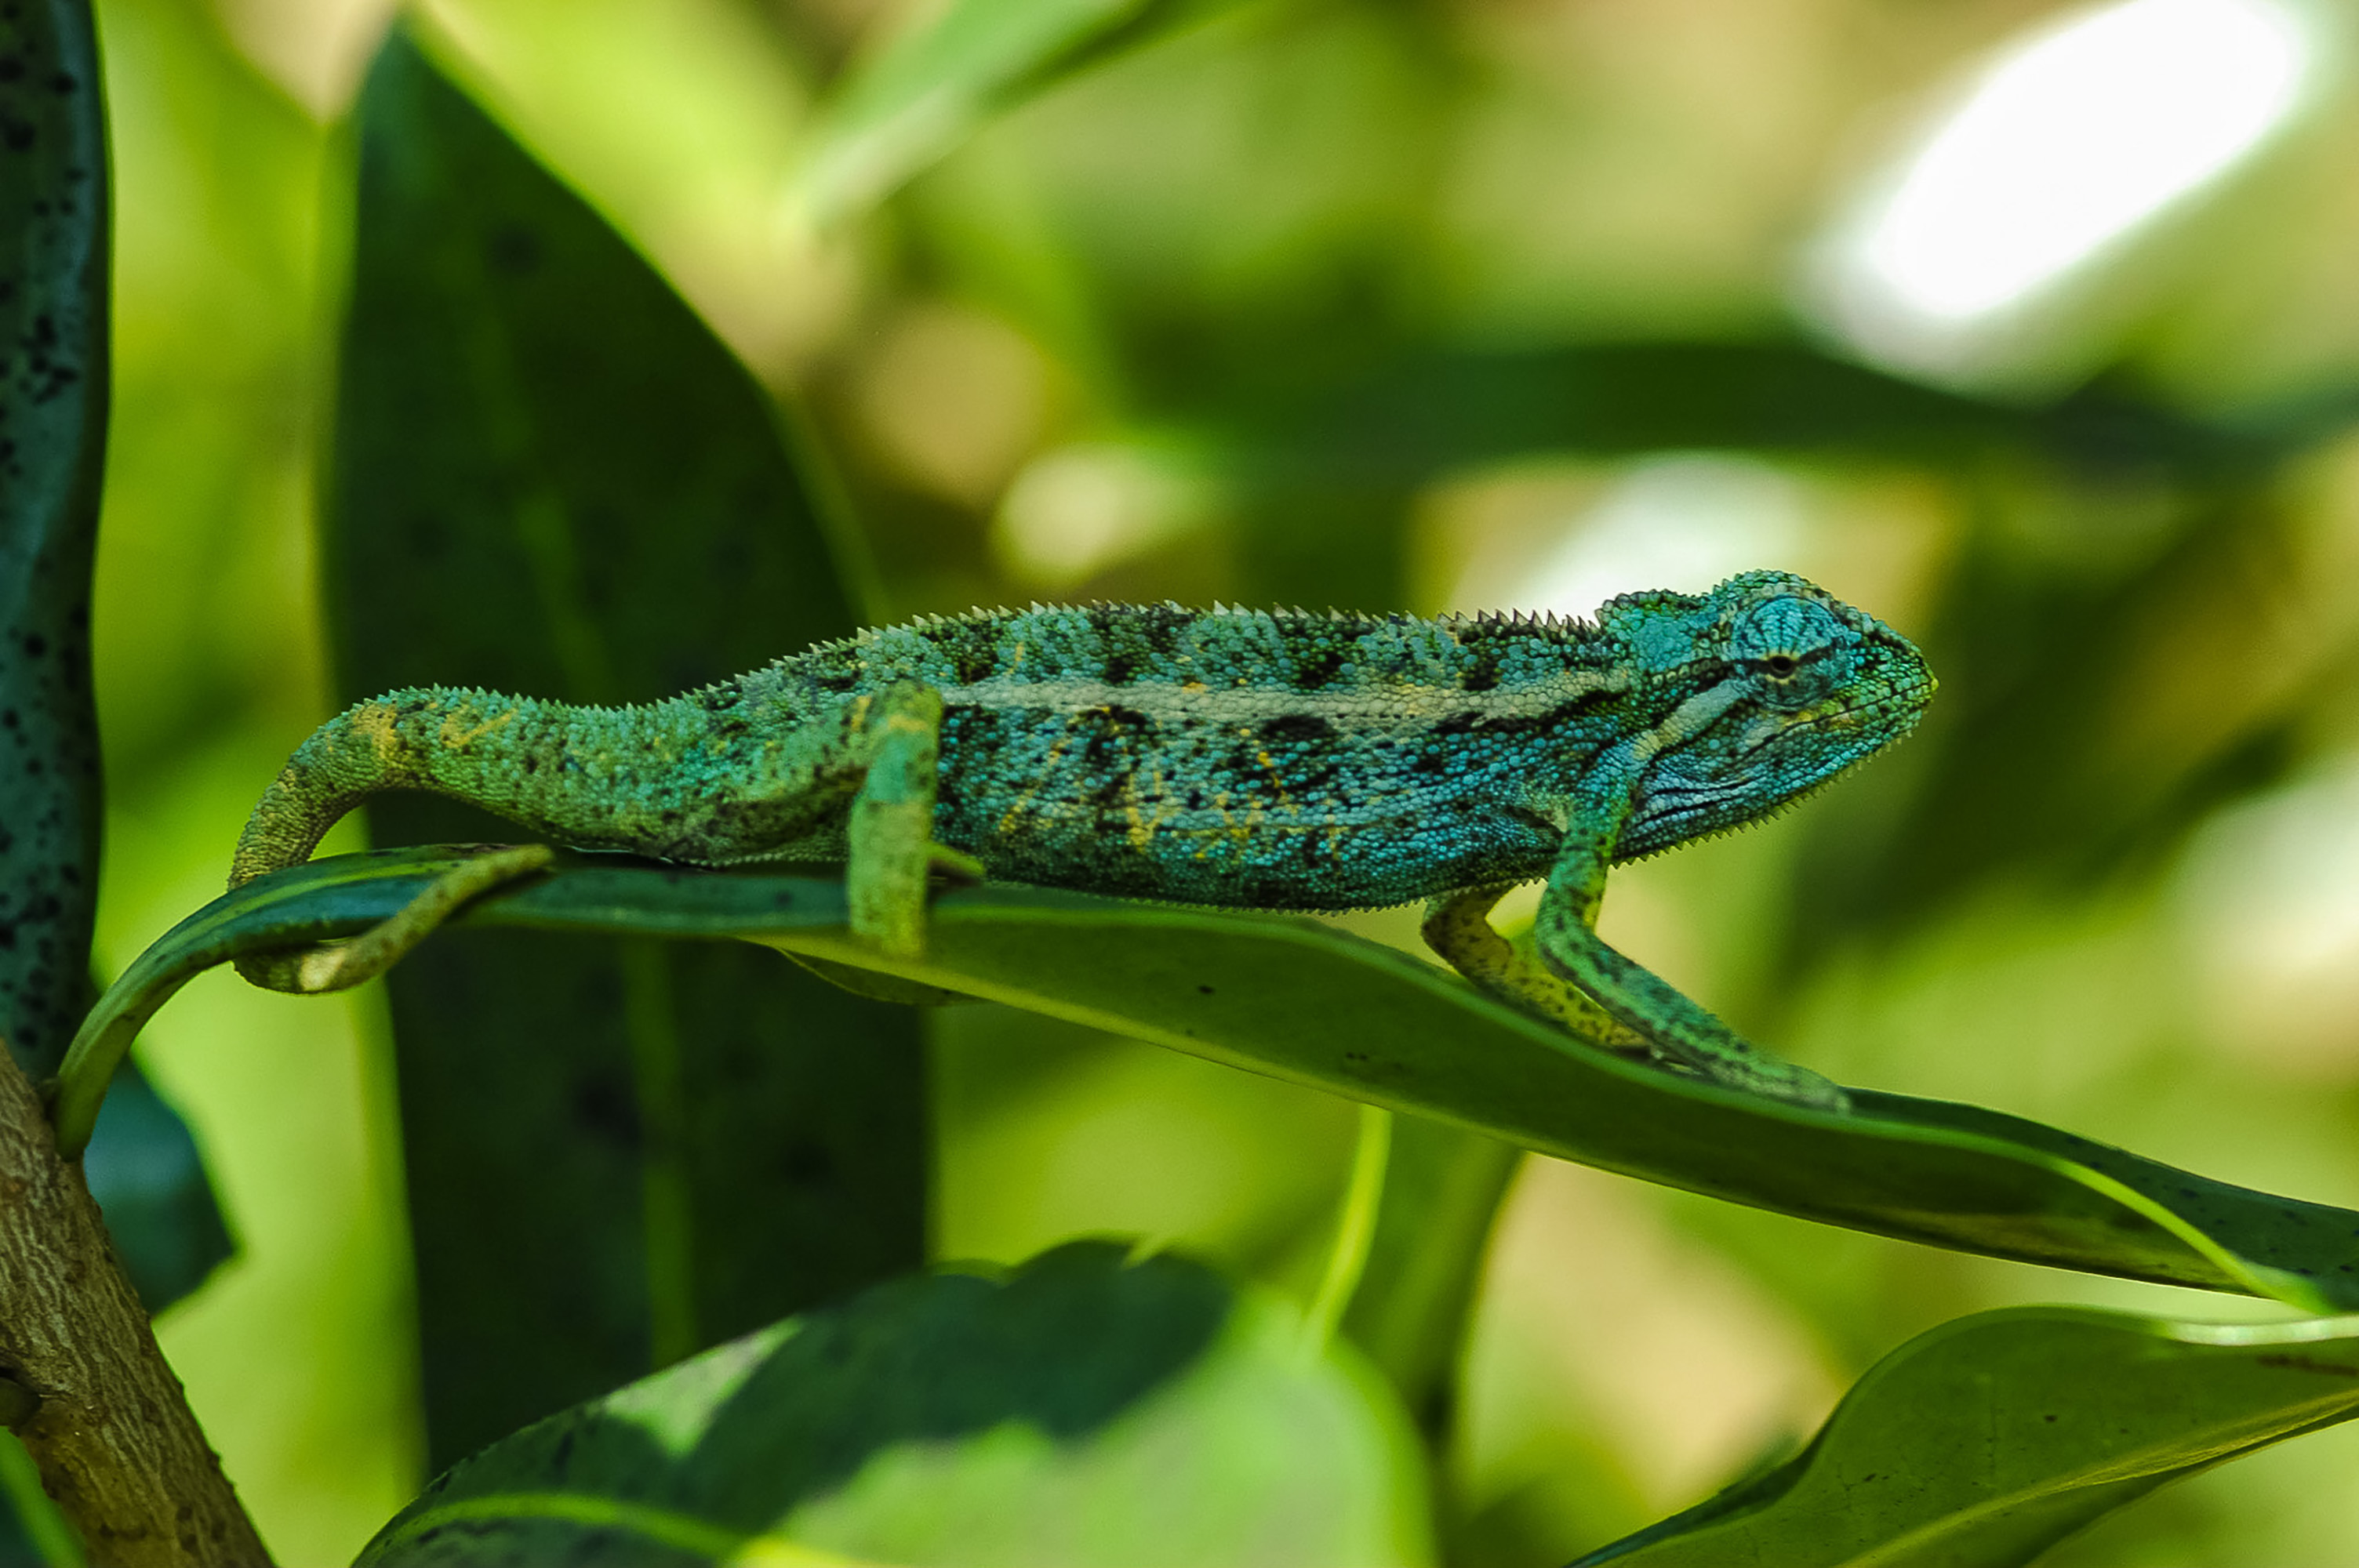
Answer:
[(474, 745)]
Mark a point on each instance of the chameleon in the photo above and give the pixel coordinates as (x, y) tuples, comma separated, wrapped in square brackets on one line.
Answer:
[(1232, 758)]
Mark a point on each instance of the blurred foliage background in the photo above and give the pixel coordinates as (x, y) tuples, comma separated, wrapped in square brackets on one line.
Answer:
[(2031, 330)]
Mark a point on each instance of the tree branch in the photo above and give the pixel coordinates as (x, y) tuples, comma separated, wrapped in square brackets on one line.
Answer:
[(117, 1445)]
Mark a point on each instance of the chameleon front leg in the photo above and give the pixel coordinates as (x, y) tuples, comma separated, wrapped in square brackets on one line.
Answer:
[(1457, 927), (1564, 937)]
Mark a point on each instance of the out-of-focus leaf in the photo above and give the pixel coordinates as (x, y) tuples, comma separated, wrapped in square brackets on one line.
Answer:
[(920, 96), (1305, 1002), (1433, 411), (1988, 1440), (144, 1169), (1330, 458), (1442, 1189), (2106, 700), (549, 477), (1083, 1410), (53, 381)]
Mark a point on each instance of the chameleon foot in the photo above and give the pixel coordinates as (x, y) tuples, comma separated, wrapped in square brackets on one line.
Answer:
[(339, 966)]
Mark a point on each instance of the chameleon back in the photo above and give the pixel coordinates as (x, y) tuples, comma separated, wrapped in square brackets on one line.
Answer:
[(1256, 759)]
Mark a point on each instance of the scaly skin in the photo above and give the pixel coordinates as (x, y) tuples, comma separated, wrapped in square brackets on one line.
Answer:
[(1228, 758)]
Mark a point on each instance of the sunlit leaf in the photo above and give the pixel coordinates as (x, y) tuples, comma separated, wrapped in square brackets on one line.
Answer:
[(549, 477), (1988, 1440), (1305, 1002), (1083, 1410), (919, 95)]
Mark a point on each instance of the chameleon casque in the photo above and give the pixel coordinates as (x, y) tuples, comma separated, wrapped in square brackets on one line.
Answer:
[(1226, 757)]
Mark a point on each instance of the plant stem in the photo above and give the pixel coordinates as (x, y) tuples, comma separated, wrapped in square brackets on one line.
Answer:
[(1356, 1225), (117, 1445)]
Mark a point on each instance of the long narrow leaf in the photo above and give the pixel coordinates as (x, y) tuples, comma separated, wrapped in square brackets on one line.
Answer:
[(1303, 1001), (925, 90), (53, 384)]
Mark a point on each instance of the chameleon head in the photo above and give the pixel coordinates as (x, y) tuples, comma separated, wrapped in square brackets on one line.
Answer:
[(1764, 689)]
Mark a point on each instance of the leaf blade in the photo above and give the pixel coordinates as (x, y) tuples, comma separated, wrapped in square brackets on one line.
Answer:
[(1083, 1407), (549, 477), (1296, 999), (53, 402), (1989, 1439)]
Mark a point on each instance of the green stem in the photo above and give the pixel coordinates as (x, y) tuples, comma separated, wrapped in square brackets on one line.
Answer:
[(1355, 1225), (663, 1138)]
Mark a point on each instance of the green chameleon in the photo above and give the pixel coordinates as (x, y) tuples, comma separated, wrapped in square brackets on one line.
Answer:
[(1229, 757)]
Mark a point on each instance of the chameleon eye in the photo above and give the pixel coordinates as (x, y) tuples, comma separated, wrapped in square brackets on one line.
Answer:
[(1778, 667)]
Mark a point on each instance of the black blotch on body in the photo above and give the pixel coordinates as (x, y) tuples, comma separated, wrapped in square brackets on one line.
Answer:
[(1291, 729), (1315, 672)]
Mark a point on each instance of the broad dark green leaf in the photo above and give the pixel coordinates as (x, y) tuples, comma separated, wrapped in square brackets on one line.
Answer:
[(923, 92), (549, 477), (1983, 1443), (144, 1169), (53, 384), (53, 403), (1303, 1001), (1084, 1411)]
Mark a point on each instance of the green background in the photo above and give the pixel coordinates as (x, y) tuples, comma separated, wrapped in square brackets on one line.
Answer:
[(1175, 324)]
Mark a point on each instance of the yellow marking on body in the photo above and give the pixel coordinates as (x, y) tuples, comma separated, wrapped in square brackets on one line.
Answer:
[(1008, 822), (373, 722), (453, 739), (1141, 831), (1276, 780)]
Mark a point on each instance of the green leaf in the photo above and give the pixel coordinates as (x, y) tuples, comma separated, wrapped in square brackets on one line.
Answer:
[(53, 386), (1303, 1001), (54, 380), (1430, 410), (1329, 456), (144, 1169), (1083, 1410), (1990, 1439), (924, 92), (549, 477)]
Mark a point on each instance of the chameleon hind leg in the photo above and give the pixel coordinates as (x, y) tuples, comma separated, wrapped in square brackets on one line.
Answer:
[(882, 752), (339, 966), (889, 844), (1565, 939)]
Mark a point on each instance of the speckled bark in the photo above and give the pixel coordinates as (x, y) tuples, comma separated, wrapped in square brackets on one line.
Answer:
[(116, 1443)]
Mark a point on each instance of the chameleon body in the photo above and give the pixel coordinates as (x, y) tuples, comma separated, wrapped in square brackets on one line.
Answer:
[(1228, 758)]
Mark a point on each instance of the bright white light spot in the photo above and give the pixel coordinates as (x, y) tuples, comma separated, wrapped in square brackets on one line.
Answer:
[(2069, 141), (1682, 522)]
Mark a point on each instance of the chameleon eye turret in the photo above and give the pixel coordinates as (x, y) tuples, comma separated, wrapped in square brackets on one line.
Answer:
[(1231, 757)]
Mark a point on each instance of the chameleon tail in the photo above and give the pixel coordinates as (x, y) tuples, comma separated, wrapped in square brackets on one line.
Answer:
[(427, 739), (462, 743)]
